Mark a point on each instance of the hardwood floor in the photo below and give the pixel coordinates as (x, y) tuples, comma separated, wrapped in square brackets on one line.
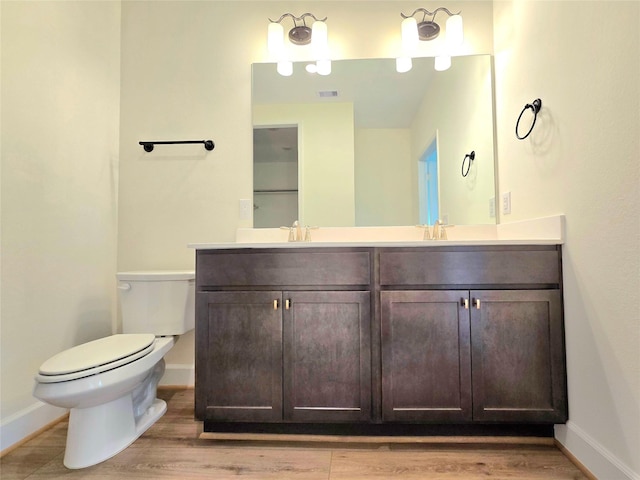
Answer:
[(172, 449)]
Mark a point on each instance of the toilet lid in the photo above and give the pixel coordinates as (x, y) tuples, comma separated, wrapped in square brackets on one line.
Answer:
[(98, 355)]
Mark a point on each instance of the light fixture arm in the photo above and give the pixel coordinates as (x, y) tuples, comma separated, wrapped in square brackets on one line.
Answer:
[(427, 12), (301, 18), (300, 34), (429, 29)]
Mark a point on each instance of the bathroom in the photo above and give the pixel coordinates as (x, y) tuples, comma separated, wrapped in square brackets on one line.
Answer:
[(84, 82)]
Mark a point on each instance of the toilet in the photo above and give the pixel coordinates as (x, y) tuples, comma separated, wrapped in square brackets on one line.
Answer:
[(110, 384)]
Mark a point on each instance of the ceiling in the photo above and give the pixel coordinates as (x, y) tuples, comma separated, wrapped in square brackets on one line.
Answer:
[(365, 83)]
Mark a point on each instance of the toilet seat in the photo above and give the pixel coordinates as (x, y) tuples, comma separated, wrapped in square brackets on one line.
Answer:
[(96, 357)]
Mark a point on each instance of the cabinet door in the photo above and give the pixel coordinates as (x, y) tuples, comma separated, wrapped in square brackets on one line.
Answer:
[(327, 362), (518, 356), (426, 370), (239, 356)]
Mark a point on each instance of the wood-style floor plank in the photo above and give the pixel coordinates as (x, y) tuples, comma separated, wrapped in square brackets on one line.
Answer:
[(450, 463), (173, 449)]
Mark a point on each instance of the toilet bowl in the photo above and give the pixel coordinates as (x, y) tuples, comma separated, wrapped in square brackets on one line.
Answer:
[(110, 384)]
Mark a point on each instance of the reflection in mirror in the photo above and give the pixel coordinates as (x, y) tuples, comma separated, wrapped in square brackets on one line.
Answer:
[(375, 147)]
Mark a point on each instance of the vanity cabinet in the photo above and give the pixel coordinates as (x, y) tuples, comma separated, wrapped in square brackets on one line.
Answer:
[(481, 355), (472, 334), (377, 337), (297, 354)]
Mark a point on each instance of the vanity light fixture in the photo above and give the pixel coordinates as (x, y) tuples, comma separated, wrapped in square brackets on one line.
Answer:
[(427, 29), (300, 34)]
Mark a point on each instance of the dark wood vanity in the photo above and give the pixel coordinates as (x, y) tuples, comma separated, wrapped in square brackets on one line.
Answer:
[(372, 338)]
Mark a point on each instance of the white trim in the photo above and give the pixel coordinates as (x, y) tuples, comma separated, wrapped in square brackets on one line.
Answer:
[(27, 421), (178, 375), (594, 456)]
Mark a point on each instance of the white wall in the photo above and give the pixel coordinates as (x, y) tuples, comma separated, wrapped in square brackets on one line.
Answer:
[(59, 147), (582, 159), (383, 182), (186, 73), (325, 169), (464, 200)]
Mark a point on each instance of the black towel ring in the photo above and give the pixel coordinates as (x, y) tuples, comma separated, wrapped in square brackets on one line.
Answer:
[(535, 108), (471, 156)]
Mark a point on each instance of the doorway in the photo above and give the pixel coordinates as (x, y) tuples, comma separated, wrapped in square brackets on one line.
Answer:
[(275, 176), (428, 195)]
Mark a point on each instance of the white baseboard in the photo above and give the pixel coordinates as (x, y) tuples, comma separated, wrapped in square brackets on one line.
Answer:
[(27, 421), (180, 375), (595, 457)]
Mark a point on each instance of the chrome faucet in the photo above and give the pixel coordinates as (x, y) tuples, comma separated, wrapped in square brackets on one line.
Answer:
[(298, 231), (295, 232), (439, 231)]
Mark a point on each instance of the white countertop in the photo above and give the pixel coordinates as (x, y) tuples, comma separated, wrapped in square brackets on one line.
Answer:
[(542, 231), (422, 243)]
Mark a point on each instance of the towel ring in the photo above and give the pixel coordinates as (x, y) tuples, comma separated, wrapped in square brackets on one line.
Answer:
[(471, 156), (535, 108)]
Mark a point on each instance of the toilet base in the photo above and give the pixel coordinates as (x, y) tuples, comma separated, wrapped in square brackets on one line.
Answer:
[(98, 433)]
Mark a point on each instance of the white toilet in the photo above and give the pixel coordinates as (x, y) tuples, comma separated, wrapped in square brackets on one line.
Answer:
[(110, 383)]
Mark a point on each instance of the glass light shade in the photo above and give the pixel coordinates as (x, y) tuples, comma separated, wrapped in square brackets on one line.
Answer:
[(319, 37), (311, 68), (324, 67), (275, 39), (442, 62), (455, 33), (403, 64), (285, 68), (409, 34)]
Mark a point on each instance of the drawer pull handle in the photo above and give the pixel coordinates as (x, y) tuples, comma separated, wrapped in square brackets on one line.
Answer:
[(477, 303), (287, 304), (275, 304), (465, 303)]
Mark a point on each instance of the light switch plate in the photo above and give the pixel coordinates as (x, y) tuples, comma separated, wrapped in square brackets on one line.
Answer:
[(506, 203), (246, 208)]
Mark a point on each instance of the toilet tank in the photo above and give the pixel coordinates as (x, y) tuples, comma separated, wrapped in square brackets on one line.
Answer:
[(160, 302)]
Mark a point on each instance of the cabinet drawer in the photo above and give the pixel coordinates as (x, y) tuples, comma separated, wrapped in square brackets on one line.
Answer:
[(508, 266), (282, 268)]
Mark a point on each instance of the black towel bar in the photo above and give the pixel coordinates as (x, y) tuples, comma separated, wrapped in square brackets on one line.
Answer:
[(148, 146)]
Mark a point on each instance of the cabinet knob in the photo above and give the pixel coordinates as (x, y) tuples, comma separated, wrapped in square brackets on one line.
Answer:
[(275, 304), (287, 304), (465, 303), (476, 301)]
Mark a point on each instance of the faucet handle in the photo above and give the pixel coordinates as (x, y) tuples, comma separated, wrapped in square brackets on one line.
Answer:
[(307, 232), (292, 233), (427, 235), (443, 231)]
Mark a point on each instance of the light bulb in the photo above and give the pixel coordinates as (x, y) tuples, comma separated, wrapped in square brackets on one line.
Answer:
[(409, 34), (442, 62), (324, 67), (285, 68), (455, 32), (319, 37), (403, 64), (275, 39)]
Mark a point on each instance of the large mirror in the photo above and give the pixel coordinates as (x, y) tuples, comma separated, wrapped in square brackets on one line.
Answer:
[(368, 146)]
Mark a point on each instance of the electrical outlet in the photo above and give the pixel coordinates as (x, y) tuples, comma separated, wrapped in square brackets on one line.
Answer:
[(492, 207), (246, 208), (506, 203)]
